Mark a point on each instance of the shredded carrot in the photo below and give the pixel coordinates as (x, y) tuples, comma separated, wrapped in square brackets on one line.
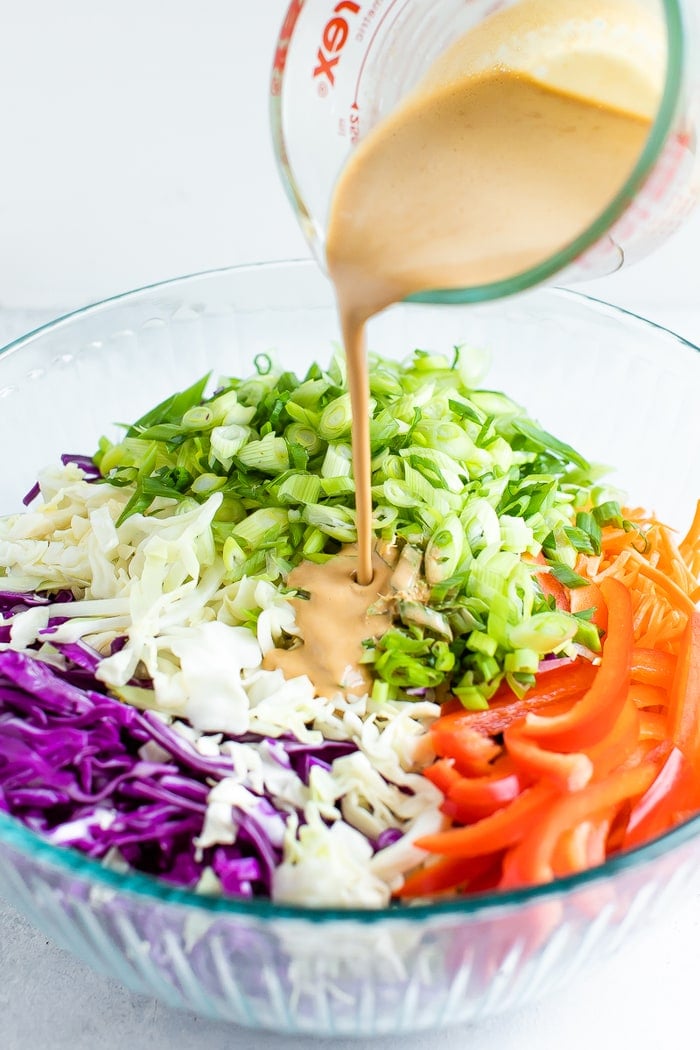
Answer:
[(680, 598)]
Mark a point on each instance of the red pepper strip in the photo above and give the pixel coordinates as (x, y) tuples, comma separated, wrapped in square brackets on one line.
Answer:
[(646, 696), (447, 873), (568, 772), (562, 683), (443, 775), (674, 794), (590, 597), (471, 751), (618, 745), (530, 862), (653, 667), (476, 797), (653, 726), (503, 828), (581, 848), (592, 717), (684, 697)]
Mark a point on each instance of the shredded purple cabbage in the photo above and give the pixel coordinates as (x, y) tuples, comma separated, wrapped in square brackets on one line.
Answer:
[(388, 838), (73, 768), (86, 463), (80, 654), (32, 494), (12, 600), (16, 602)]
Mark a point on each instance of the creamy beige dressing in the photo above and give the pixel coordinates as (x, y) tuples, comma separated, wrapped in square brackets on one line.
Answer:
[(333, 621), (482, 173)]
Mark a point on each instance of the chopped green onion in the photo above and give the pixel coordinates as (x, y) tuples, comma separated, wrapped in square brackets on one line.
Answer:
[(480, 642), (463, 483), (172, 409), (413, 612), (310, 392), (263, 364), (542, 441), (444, 551), (465, 410), (522, 661), (581, 541), (587, 523), (543, 632), (268, 455), (609, 513), (306, 416), (336, 419), (260, 525), (314, 543), (227, 441), (336, 522), (342, 486), (587, 634), (205, 484), (567, 577), (337, 462), (199, 417), (448, 437), (232, 553), (471, 697), (304, 435), (300, 488), (380, 692)]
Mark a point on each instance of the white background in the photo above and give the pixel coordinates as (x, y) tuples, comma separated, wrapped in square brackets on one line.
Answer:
[(134, 147)]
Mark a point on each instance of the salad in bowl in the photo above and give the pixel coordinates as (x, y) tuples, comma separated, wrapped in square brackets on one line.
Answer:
[(477, 749)]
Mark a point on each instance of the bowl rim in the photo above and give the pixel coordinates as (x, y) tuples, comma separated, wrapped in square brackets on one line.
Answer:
[(71, 862)]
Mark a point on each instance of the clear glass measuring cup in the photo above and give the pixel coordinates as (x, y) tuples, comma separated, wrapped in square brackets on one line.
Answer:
[(341, 66)]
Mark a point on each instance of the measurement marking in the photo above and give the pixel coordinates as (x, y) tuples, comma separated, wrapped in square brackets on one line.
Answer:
[(369, 48)]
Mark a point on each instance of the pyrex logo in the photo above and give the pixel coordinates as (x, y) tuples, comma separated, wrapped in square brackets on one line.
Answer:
[(335, 37)]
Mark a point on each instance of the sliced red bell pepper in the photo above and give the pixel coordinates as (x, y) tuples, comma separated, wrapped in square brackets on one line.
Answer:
[(446, 874), (531, 861), (471, 751), (617, 746), (494, 833), (653, 667), (653, 726), (646, 696), (673, 795), (592, 717), (568, 772), (684, 697), (581, 848), (561, 683), (473, 798), (443, 775)]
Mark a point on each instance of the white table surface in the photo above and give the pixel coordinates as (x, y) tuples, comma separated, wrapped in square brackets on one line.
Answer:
[(140, 150)]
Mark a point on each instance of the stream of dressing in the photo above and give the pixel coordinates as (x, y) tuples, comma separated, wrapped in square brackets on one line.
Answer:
[(474, 178)]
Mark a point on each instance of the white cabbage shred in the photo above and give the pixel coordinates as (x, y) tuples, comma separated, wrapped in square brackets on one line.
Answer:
[(158, 584)]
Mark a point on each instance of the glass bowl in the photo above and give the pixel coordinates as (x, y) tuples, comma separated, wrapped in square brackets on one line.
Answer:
[(622, 390)]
